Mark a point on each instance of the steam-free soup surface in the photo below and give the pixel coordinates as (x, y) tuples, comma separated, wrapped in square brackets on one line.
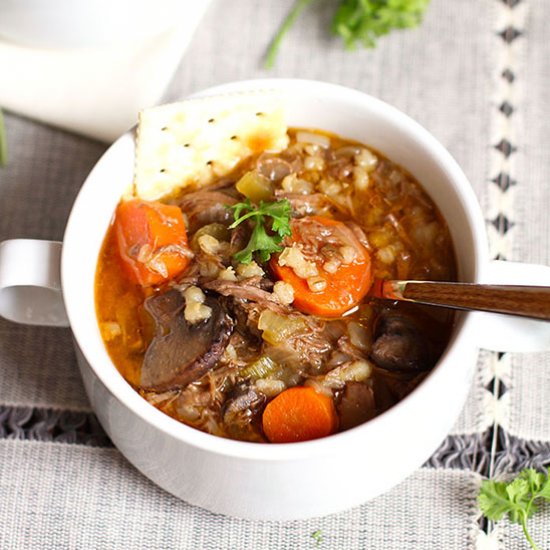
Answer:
[(280, 343)]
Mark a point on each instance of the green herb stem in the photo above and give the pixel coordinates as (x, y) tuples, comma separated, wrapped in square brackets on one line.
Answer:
[(515, 498), (523, 522), (275, 45)]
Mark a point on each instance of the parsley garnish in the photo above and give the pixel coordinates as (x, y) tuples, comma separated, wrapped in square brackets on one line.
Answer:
[(3, 142), (261, 241), (358, 21), (365, 20), (515, 498), (317, 536)]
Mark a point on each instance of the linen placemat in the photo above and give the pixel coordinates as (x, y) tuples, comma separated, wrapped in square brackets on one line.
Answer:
[(476, 75)]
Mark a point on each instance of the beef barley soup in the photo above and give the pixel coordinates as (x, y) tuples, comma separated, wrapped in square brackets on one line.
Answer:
[(241, 308)]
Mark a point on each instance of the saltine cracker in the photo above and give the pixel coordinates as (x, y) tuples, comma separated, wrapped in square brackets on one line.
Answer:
[(192, 143)]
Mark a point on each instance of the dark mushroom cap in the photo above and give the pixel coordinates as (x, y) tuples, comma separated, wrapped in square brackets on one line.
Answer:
[(181, 353)]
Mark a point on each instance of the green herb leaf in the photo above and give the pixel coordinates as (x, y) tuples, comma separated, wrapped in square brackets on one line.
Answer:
[(360, 21), (3, 142), (515, 498), (365, 20), (317, 536), (262, 242)]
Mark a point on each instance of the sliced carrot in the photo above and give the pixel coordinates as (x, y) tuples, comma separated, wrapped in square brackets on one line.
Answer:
[(299, 414), (346, 287), (152, 240)]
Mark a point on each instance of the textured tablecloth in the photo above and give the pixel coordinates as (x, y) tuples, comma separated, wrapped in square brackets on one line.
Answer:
[(477, 75)]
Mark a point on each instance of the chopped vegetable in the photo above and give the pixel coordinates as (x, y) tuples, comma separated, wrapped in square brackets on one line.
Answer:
[(277, 328), (152, 240), (515, 498), (3, 142), (358, 21), (260, 241), (299, 414), (345, 287), (260, 368), (255, 186)]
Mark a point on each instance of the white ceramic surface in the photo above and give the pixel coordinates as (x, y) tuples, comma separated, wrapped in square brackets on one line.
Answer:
[(87, 23), (299, 480)]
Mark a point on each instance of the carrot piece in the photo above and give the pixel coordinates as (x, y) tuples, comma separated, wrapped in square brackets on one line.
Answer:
[(346, 287), (152, 240), (299, 414)]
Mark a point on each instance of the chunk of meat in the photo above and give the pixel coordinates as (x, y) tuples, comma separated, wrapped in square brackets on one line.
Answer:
[(307, 205), (400, 344), (248, 289), (357, 405), (179, 352), (205, 207), (241, 413)]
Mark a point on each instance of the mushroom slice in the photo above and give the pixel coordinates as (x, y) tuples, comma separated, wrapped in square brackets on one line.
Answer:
[(181, 353), (400, 344)]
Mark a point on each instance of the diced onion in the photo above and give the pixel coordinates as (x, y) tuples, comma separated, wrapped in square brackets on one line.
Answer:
[(310, 137), (278, 328), (270, 387)]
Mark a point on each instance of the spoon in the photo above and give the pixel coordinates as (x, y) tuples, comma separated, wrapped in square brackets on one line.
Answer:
[(525, 301)]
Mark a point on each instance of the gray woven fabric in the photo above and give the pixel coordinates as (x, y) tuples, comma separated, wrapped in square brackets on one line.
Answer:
[(82, 497), (476, 75)]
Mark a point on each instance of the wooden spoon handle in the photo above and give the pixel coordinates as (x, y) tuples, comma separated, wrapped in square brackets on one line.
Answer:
[(525, 301)]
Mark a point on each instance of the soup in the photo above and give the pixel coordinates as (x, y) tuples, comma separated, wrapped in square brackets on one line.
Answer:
[(242, 309)]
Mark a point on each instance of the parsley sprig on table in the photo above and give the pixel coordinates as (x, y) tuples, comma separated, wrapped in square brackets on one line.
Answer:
[(515, 498), (356, 21), (262, 242)]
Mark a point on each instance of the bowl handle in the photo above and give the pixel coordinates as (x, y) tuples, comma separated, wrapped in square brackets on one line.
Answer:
[(505, 332), (30, 282)]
